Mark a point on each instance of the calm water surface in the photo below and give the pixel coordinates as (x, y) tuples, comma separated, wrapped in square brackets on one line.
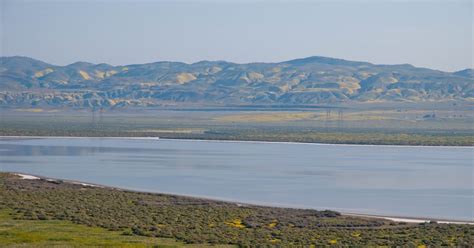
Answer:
[(434, 182)]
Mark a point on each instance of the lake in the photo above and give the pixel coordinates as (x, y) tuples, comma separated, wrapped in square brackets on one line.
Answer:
[(432, 182)]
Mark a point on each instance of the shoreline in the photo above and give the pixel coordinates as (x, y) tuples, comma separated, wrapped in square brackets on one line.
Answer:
[(226, 141), (406, 219)]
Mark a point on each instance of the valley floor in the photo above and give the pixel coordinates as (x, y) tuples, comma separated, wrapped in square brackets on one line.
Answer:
[(374, 127)]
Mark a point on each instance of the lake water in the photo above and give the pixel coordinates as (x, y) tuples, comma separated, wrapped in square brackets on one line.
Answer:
[(435, 182)]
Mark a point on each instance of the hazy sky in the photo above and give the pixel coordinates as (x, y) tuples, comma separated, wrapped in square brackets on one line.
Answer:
[(436, 34)]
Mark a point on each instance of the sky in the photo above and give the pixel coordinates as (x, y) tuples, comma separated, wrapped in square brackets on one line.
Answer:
[(435, 34)]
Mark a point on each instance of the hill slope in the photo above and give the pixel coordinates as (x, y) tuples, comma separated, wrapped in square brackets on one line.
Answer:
[(313, 80)]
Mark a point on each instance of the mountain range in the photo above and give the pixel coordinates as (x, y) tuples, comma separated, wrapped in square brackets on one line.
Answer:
[(27, 82)]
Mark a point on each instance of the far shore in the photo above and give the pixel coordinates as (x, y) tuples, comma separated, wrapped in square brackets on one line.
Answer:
[(223, 140), (362, 215)]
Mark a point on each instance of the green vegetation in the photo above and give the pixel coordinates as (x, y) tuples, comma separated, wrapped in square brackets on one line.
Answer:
[(16, 232), (273, 135), (359, 127), (377, 138), (197, 221)]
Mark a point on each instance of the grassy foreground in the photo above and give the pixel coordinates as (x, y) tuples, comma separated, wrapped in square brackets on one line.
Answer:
[(16, 232), (46, 213)]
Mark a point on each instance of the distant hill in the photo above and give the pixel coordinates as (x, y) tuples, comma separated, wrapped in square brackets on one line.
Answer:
[(314, 80), (465, 73)]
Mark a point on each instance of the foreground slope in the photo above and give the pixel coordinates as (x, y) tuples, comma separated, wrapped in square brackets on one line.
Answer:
[(16, 232), (194, 220)]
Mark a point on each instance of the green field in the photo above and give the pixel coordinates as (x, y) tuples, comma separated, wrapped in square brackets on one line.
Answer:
[(352, 126), (42, 212), (16, 232)]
